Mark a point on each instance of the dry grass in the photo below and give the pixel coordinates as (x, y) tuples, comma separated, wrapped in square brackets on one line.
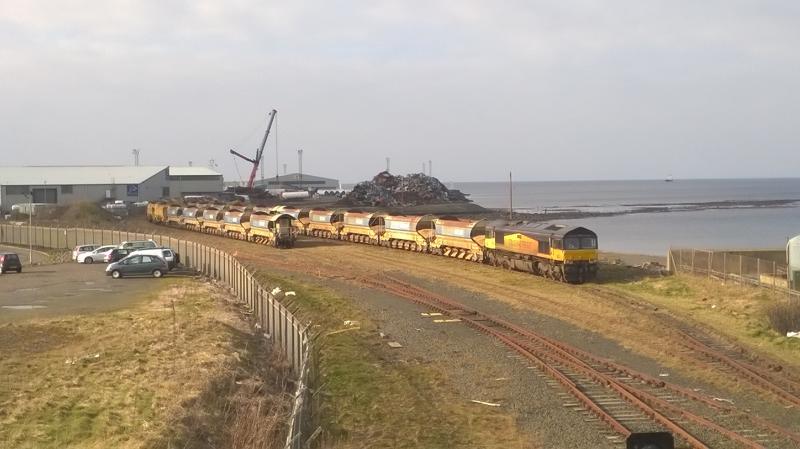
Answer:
[(785, 316), (369, 398), (143, 377)]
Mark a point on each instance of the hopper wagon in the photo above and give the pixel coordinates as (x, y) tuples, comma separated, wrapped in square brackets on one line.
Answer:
[(301, 217), (463, 239), (409, 232), (236, 222), (212, 219), (193, 217), (175, 214), (363, 227), (275, 229), (325, 223)]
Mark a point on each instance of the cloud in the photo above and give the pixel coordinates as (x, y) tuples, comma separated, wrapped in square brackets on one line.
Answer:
[(554, 90)]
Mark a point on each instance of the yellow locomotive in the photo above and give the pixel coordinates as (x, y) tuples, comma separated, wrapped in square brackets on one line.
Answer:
[(555, 251)]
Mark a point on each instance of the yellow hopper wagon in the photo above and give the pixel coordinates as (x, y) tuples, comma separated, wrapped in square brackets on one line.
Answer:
[(175, 214), (409, 232), (273, 229), (325, 223), (463, 239), (157, 212), (555, 251), (363, 227), (236, 222), (212, 219), (301, 218), (193, 217)]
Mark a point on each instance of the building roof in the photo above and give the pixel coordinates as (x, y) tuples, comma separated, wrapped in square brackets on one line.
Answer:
[(192, 171), (77, 175)]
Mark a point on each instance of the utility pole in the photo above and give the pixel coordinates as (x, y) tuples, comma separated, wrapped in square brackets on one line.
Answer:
[(510, 197), (423, 168), (300, 164), (135, 152), (387, 164), (430, 167)]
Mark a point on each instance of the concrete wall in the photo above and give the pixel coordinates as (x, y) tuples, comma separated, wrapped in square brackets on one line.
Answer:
[(187, 186)]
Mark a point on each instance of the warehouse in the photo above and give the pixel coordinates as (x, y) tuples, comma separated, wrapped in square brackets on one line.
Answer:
[(63, 185), (298, 181)]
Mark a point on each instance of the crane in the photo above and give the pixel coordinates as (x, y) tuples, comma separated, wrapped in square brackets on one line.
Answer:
[(257, 160)]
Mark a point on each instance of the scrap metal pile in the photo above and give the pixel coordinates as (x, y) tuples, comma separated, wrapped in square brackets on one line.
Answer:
[(388, 190)]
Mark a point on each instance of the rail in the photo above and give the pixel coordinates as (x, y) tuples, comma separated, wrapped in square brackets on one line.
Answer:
[(271, 316), (730, 266)]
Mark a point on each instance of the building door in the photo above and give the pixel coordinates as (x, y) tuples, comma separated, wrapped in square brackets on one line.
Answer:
[(45, 196)]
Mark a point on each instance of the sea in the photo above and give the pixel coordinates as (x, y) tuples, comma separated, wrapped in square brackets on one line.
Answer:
[(652, 216)]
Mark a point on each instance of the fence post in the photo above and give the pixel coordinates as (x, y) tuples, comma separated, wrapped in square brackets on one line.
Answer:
[(741, 278), (758, 271), (692, 260), (710, 260), (724, 266)]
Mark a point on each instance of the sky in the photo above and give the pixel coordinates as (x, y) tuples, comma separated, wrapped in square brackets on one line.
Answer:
[(551, 90)]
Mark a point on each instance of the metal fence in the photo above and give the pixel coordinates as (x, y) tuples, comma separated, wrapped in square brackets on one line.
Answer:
[(729, 267), (277, 322)]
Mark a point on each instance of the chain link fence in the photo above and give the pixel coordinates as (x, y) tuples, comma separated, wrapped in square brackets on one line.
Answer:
[(272, 317), (730, 266)]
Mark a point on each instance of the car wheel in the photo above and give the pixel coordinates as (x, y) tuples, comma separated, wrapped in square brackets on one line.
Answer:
[(88, 260), (157, 273), (116, 274)]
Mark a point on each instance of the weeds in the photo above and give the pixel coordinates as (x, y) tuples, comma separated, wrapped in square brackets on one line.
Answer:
[(785, 316)]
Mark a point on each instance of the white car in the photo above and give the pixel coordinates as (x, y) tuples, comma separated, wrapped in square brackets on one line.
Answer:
[(82, 249), (98, 255), (167, 254)]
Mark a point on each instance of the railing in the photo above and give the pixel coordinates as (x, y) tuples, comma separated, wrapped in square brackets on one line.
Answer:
[(277, 322), (730, 266)]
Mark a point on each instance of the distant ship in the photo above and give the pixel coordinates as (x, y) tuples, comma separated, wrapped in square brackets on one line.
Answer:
[(668, 179)]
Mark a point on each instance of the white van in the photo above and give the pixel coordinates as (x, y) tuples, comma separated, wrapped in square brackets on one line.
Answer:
[(138, 244), (167, 254)]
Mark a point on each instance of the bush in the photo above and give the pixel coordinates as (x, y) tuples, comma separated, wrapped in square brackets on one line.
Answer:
[(785, 316)]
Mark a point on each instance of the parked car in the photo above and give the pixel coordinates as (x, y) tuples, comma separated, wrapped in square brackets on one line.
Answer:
[(165, 253), (10, 262), (82, 249), (97, 255), (138, 265), (138, 244), (117, 254)]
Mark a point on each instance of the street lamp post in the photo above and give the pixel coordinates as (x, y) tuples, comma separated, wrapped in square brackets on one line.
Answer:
[(30, 225)]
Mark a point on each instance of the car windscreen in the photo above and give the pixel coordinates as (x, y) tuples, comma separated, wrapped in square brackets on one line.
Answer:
[(12, 257)]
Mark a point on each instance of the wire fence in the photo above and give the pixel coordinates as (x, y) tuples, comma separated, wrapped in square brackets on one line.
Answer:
[(272, 317), (730, 266)]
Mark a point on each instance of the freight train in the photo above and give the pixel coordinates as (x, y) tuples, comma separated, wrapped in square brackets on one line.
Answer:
[(555, 251)]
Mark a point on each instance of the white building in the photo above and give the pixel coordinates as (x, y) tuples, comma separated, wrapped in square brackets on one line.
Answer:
[(65, 185)]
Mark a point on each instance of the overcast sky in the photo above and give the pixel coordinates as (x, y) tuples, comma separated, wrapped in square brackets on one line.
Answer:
[(552, 90)]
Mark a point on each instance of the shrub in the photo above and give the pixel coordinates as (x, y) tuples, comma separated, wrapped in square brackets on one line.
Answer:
[(785, 316)]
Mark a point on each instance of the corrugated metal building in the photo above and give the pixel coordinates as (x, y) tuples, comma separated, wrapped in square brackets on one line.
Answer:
[(298, 181), (194, 181), (73, 184)]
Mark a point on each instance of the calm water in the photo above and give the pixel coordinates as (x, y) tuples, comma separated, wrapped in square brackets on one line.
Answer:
[(654, 233)]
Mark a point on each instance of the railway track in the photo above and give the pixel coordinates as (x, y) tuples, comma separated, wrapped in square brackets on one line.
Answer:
[(624, 399)]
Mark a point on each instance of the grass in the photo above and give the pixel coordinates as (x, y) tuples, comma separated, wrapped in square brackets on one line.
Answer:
[(745, 313), (368, 398), (142, 378)]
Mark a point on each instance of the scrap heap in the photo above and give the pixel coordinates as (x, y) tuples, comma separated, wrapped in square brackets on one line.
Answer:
[(387, 190)]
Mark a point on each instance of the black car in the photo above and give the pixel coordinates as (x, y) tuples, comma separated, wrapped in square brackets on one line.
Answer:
[(118, 254), (10, 262)]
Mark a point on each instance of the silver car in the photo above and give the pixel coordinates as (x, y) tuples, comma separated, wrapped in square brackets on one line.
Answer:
[(138, 265)]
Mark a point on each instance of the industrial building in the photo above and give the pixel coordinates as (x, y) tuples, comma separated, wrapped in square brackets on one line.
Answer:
[(298, 181), (194, 181), (63, 185)]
